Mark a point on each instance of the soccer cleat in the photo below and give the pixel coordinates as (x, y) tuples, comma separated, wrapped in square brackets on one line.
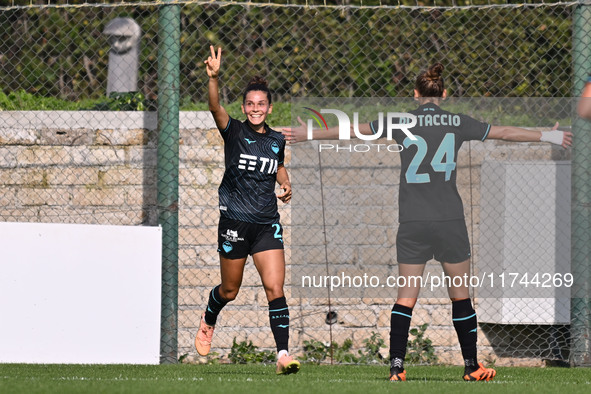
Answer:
[(398, 376), (287, 365), (204, 336), (480, 374)]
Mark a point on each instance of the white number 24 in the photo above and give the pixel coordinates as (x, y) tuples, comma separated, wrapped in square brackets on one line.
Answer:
[(445, 151)]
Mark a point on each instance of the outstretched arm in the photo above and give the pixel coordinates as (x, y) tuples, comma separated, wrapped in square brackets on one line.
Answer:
[(516, 134), (584, 107), (212, 63), (298, 134)]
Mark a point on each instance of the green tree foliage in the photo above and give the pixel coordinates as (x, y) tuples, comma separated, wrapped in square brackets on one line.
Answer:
[(62, 52), (378, 52), (317, 51)]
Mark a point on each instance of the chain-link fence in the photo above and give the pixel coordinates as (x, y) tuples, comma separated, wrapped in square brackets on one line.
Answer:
[(66, 158)]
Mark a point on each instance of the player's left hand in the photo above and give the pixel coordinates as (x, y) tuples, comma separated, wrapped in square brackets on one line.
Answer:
[(285, 196), (558, 137), (293, 135), (567, 139)]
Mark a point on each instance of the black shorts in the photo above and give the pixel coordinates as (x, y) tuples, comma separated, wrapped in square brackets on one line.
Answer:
[(446, 241), (238, 239)]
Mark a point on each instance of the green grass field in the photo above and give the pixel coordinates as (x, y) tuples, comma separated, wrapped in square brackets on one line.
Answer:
[(185, 378)]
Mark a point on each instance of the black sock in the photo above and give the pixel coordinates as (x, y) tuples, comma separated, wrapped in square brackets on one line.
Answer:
[(465, 323), (399, 326), (214, 306), (279, 318)]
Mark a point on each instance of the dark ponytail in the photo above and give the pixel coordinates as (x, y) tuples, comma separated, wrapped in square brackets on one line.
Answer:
[(258, 84), (430, 83)]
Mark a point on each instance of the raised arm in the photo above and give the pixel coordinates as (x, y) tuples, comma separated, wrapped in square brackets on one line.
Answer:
[(212, 63), (584, 107), (298, 134), (516, 134)]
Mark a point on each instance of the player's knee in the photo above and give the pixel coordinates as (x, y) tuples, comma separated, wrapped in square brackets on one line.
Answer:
[(460, 298), (229, 294), (407, 302), (274, 292)]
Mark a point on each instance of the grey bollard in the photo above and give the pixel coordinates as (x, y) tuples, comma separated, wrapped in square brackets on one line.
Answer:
[(124, 38)]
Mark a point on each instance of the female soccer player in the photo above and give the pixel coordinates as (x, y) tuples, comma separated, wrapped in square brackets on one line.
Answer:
[(249, 220), (584, 107), (431, 222)]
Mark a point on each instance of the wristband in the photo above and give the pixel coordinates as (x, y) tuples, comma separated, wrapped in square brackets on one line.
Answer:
[(554, 137), (589, 79)]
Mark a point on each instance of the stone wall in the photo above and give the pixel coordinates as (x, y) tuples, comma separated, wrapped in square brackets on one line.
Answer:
[(100, 168)]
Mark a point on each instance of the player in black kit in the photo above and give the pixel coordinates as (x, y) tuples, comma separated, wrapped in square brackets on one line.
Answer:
[(431, 214), (431, 218), (249, 220)]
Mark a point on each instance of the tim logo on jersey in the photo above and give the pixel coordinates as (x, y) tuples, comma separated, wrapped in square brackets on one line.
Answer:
[(255, 163)]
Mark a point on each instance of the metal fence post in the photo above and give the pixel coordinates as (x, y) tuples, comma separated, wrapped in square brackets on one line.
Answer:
[(581, 203), (168, 173)]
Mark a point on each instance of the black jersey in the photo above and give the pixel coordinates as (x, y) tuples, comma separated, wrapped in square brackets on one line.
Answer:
[(428, 165), (247, 191)]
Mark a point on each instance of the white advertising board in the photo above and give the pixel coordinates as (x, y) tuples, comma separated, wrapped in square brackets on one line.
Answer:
[(73, 293)]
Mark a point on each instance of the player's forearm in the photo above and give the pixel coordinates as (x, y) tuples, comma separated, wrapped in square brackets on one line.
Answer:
[(515, 134), (333, 133), (220, 116), (282, 175), (213, 95)]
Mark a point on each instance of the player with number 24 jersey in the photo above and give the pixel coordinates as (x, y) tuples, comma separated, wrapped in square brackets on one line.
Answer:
[(429, 164)]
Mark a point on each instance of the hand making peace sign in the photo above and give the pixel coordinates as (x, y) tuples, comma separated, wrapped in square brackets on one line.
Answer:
[(213, 62)]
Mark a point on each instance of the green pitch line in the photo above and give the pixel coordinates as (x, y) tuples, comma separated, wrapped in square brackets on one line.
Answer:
[(258, 379)]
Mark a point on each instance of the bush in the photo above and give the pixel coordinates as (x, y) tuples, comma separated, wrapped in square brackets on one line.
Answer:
[(130, 101), (246, 353), (315, 352), (420, 350)]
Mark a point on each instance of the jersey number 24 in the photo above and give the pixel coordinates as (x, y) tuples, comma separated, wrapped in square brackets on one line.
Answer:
[(443, 160)]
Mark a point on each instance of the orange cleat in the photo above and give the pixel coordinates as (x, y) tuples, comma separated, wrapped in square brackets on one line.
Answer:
[(204, 337), (287, 365), (398, 376), (480, 374)]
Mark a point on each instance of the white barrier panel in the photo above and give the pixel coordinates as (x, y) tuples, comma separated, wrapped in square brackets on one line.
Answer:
[(74, 293)]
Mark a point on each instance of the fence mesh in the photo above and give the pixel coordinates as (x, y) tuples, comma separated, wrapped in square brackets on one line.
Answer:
[(72, 154)]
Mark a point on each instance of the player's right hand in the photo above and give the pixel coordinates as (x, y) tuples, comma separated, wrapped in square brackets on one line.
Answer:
[(213, 62), (294, 135)]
